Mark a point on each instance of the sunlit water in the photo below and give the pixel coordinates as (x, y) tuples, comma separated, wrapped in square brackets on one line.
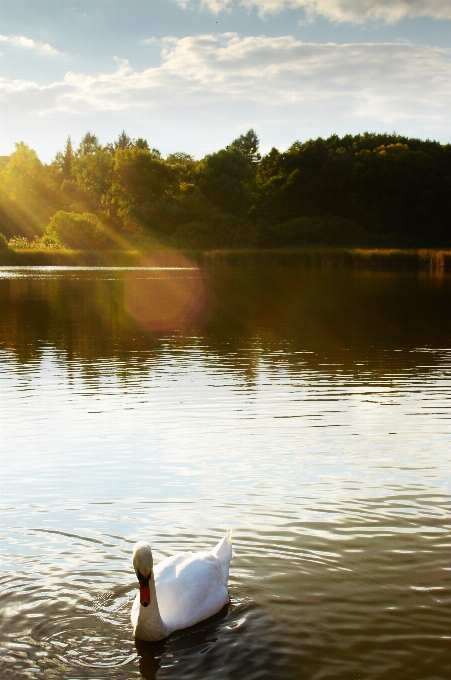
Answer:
[(308, 410)]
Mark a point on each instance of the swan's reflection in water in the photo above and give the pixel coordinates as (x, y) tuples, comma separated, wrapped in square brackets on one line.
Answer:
[(150, 654), (198, 638)]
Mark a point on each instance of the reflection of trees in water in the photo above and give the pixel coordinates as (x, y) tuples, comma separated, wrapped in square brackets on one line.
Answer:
[(332, 316), (78, 317)]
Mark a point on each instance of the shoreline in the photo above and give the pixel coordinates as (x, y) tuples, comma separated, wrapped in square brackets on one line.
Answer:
[(348, 258)]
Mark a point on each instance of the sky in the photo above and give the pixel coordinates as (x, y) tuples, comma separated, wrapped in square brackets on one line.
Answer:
[(193, 75)]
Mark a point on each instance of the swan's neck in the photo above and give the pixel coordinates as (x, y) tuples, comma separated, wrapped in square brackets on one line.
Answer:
[(147, 622)]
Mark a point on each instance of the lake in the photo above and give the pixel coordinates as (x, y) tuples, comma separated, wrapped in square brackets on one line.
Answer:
[(308, 409)]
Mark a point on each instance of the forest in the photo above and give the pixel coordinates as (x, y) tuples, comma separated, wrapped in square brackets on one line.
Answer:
[(369, 190)]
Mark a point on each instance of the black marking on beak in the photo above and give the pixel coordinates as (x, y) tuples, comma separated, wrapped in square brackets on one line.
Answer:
[(144, 580)]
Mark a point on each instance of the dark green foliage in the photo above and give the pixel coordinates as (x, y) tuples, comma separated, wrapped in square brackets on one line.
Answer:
[(10, 221), (224, 178), (139, 177), (386, 183), (325, 230), (3, 243), (222, 231)]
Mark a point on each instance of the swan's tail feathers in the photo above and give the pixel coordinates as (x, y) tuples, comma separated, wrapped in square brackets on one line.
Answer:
[(223, 552)]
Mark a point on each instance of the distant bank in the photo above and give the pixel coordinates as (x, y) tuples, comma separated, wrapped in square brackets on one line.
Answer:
[(434, 260), (371, 191)]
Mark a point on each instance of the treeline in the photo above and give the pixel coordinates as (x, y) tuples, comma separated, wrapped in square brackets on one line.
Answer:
[(363, 190)]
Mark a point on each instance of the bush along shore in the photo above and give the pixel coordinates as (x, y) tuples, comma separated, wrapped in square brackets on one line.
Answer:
[(369, 191)]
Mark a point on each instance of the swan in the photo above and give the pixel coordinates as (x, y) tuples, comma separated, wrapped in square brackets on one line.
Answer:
[(180, 591)]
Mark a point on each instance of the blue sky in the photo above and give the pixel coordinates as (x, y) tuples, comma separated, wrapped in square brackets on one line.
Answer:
[(192, 75)]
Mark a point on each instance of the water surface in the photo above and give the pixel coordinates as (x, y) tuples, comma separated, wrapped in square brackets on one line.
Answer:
[(309, 410)]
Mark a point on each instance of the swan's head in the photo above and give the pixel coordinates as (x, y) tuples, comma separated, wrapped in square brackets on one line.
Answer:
[(143, 565)]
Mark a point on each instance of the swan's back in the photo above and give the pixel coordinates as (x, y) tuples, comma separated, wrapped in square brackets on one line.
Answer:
[(193, 586)]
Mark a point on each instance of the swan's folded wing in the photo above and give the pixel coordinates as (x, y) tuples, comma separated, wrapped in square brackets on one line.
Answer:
[(165, 567), (191, 590)]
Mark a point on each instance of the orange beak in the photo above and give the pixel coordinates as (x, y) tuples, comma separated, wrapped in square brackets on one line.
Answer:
[(144, 595)]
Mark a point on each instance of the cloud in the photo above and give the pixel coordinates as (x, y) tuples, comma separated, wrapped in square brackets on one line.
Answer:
[(29, 43), (217, 6), (272, 78), (214, 6), (355, 11), (275, 72)]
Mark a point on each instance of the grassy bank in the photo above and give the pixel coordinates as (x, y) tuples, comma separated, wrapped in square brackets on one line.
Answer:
[(348, 258), (74, 258)]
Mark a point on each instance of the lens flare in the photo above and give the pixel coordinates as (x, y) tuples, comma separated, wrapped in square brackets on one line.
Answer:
[(169, 294)]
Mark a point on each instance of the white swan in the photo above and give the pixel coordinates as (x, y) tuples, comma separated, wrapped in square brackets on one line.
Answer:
[(181, 591)]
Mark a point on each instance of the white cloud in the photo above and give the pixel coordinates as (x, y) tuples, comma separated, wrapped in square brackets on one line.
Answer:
[(217, 6), (355, 11), (275, 72), (22, 41), (272, 81), (214, 6)]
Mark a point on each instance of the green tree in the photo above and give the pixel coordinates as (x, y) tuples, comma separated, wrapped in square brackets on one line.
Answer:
[(388, 184), (91, 168), (68, 158), (139, 177), (141, 143), (123, 141), (89, 145), (183, 165), (80, 232), (27, 193), (179, 158), (226, 179), (247, 144), (63, 161)]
